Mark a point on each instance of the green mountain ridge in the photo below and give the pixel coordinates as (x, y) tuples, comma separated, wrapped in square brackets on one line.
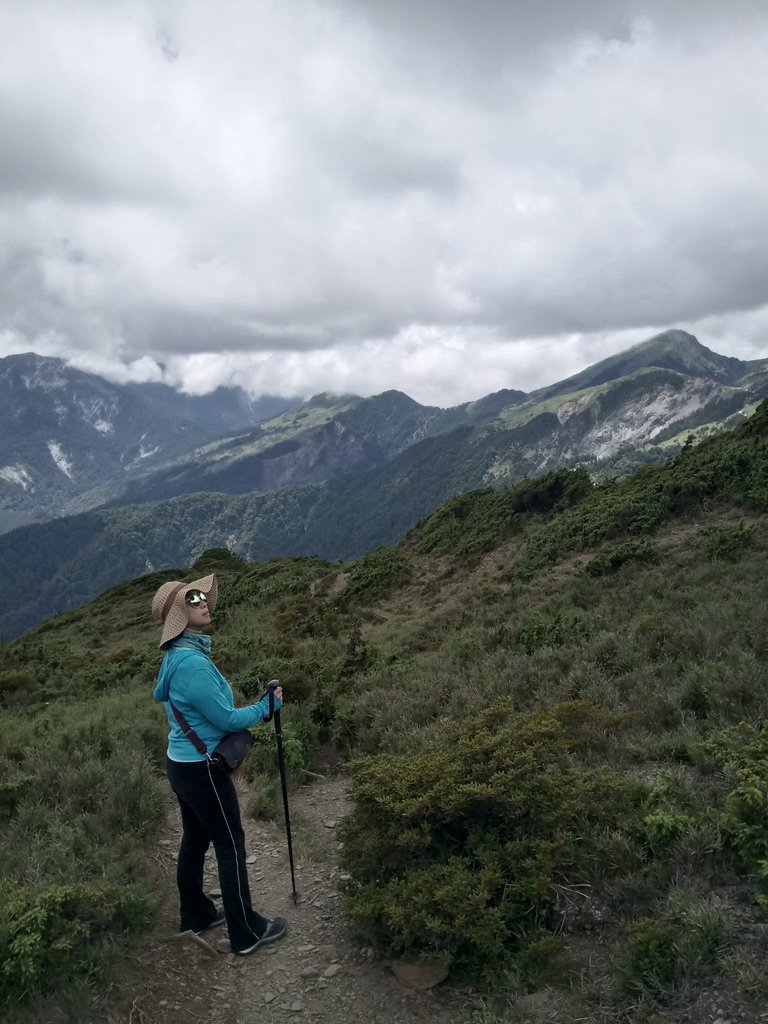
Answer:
[(350, 434), (319, 441)]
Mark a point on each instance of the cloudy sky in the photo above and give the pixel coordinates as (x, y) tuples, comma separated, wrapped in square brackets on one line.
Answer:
[(441, 196)]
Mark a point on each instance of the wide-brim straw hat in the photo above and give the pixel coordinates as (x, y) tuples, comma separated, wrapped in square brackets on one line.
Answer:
[(168, 604)]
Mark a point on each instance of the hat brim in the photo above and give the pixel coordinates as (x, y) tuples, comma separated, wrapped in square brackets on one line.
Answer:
[(176, 620)]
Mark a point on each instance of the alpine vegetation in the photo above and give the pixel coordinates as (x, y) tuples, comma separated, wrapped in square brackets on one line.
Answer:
[(548, 700)]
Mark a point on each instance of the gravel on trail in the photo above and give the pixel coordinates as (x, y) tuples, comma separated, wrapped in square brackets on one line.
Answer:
[(317, 974)]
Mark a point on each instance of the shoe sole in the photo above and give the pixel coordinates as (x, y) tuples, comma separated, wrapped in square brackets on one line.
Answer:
[(262, 942)]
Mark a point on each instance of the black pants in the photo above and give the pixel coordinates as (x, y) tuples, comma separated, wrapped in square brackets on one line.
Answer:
[(210, 813)]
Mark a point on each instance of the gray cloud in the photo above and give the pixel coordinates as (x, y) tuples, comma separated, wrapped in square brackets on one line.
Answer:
[(437, 196)]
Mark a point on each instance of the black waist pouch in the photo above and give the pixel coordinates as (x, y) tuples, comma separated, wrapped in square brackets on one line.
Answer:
[(231, 750)]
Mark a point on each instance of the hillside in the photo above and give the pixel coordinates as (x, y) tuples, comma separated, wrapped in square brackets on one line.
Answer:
[(558, 685), (326, 437)]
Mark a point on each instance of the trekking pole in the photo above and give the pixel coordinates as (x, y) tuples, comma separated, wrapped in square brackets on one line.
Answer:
[(272, 685)]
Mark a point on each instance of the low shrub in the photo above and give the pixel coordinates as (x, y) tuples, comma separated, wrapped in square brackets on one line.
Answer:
[(649, 969), (614, 556), (262, 758), (727, 542), (277, 578), (477, 521), (298, 678), (12, 790), (16, 685), (455, 851), (374, 577), (57, 934), (17, 679), (742, 754), (306, 615), (217, 560), (664, 952), (555, 627), (263, 801)]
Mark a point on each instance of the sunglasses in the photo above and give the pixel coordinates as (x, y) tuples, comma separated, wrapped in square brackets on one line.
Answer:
[(195, 598)]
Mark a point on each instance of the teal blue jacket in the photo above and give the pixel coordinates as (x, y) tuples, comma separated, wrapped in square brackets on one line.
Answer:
[(190, 679)]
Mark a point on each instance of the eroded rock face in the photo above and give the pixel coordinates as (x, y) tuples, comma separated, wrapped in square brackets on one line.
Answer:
[(637, 421)]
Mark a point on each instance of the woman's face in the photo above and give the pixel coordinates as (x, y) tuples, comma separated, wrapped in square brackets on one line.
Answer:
[(198, 612)]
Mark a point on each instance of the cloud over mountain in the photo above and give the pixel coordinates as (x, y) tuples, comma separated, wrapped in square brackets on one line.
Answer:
[(440, 197)]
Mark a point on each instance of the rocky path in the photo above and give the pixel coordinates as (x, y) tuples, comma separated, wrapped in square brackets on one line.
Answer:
[(317, 974)]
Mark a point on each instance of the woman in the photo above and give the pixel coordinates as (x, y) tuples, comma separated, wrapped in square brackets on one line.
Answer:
[(189, 682)]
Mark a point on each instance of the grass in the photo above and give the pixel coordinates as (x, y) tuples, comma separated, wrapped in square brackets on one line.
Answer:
[(641, 602)]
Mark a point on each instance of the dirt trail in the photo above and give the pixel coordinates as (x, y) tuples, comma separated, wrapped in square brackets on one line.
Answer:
[(316, 974)]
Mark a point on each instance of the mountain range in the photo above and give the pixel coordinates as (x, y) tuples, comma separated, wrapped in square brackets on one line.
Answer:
[(156, 484), (64, 432)]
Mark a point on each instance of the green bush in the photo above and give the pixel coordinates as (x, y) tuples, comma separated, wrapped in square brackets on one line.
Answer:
[(58, 933), (17, 679), (664, 952), (374, 577), (470, 522), (298, 678), (217, 560), (279, 577), (728, 468), (262, 757), (555, 627), (305, 615), (12, 790), (742, 753), (264, 799), (455, 852), (650, 967), (611, 558), (16, 687), (728, 541)]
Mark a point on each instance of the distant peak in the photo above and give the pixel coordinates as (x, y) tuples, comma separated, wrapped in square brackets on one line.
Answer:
[(31, 360), (674, 350), (682, 351), (392, 396), (673, 338), (35, 372), (328, 398)]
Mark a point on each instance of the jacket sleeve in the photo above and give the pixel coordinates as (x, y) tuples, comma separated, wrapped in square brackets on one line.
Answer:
[(203, 691)]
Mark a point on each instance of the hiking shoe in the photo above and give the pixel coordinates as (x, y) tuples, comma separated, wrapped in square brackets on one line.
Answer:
[(219, 919), (276, 929)]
